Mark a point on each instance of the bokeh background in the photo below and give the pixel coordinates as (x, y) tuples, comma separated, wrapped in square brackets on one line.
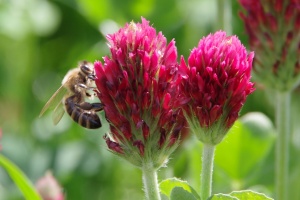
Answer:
[(41, 40)]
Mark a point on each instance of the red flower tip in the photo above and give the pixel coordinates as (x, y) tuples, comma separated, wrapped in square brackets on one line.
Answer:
[(137, 84), (139, 144), (114, 146), (167, 100), (278, 6), (146, 131), (217, 83)]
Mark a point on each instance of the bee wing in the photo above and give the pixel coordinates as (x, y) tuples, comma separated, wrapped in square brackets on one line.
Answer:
[(55, 100), (58, 112)]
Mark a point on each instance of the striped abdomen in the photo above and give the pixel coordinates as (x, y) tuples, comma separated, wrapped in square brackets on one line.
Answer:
[(87, 118)]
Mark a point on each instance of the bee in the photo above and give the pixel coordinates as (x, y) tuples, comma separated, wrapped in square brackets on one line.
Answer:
[(71, 95)]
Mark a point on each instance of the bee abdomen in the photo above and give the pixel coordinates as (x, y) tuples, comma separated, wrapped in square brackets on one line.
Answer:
[(87, 119)]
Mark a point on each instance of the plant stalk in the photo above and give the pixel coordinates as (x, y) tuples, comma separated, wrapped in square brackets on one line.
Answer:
[(150, 183), (282, 115), (207, 171), (224, 16)]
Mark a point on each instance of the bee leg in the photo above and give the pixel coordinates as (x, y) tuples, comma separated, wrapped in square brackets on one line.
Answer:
[(96, 90), (91, 106), (97, 107), (85, 106), (85, 87), (92, 77), (82, 86)]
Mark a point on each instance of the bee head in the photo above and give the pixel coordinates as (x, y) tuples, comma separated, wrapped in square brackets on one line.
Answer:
[(86, 68)]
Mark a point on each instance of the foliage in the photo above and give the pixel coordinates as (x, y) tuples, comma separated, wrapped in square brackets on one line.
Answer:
[(20, 179)]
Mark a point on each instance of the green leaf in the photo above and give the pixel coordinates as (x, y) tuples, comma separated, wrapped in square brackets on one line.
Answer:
[(223, 197), (178, 193), (170, 188), (241, 195), (249, 195), (247, 143), (20, 179), (163, 197)]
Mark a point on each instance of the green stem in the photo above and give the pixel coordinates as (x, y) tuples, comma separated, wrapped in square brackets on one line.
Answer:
[(224, 15), (207, 170), (282, 144), (150, 183)]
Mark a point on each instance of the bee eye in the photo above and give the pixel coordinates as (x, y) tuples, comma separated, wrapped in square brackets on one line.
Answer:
[(85, 69)]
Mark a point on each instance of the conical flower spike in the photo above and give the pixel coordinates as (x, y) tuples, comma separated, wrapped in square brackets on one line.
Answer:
[(215, 85), (136, 85)]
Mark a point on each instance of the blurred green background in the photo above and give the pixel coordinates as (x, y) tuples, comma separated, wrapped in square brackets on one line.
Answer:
[(41, 40)]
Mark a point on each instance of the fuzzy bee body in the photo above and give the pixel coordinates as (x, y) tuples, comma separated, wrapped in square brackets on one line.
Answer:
[(76, 87)]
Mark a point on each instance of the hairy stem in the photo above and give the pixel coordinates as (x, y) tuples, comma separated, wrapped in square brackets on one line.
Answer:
[(282, 115), (207, 170), (150, 183)]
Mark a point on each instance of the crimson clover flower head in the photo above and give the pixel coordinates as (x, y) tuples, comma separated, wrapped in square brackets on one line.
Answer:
[(137, 85), (48, 187), (273, 28), (216, 84)]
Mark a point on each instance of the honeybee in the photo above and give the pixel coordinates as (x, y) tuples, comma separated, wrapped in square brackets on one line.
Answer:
[(76, 86)]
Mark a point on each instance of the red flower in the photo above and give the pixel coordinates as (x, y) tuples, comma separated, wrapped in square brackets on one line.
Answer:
[(273, 29), (136, 86), (216, 84)]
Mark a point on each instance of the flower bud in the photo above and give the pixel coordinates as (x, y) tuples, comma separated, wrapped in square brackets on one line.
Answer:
[(48, 188), (215, 85), (273, 30)]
